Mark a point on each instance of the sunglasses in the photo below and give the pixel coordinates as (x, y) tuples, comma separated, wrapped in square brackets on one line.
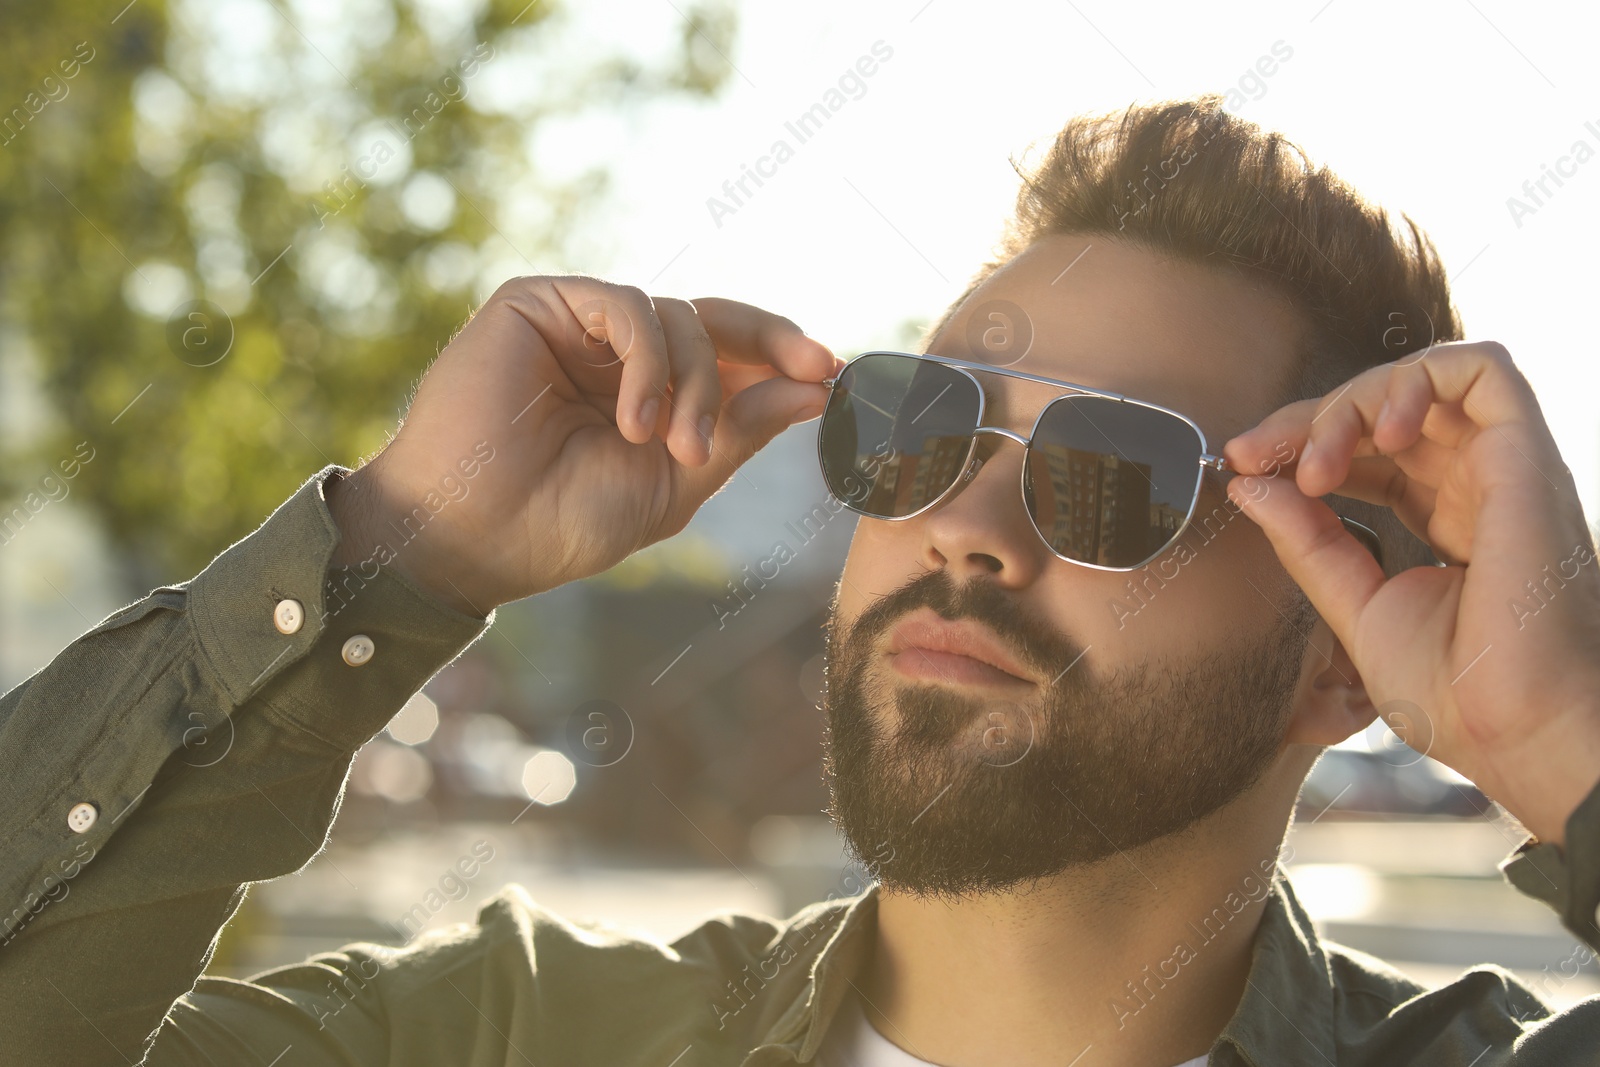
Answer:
[(1109, 482)]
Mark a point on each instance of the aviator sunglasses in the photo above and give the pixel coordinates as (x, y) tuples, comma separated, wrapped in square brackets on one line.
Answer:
[(1109, 482)]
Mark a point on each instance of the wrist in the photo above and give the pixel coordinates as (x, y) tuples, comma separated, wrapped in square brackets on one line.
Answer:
[(1551, 774), (363, 508)]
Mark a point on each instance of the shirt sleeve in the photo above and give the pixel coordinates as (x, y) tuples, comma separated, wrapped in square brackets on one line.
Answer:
[(192, 742), (1566, 879)]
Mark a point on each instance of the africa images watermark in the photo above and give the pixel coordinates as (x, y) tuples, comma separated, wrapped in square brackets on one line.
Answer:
[(752, 978), (340, 193), (53, 488), (51, 90), (53, 889), (1549, 985), (1542, 591), (453, 884), (1251, 85), (742, 592), (349, 984), (1537, 190), (451, 490), (1209, 527), (802, 128), (1141, 992)]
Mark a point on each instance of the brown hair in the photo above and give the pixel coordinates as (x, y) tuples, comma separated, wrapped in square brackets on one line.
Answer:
[(1188, 178)]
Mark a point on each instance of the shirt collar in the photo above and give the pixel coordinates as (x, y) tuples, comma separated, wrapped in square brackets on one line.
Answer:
[(1288, 1002), (802, 1027), (1287, 1006)]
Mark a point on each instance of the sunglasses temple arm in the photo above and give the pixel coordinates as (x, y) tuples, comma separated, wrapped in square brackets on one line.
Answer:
[(1368, 537)]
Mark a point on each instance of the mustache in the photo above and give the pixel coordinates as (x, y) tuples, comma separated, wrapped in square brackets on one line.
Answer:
[(1035, 642)]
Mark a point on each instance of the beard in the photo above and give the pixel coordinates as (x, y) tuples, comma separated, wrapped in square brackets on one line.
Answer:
[(946, 792)]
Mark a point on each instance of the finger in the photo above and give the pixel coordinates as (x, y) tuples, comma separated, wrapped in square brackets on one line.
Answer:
[(1459, 390), (696, 394), (1407, 483), (1274, 442), (1334, 434), (737, 377), (1410, 412), (749, 421), (1379, 480), (623, 319), (1424, 460), (744, 333), (1336, 571), (1455, 390)]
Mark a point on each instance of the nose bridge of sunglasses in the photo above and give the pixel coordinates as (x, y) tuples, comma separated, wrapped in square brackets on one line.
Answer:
[(989, 440), (1011, 403)]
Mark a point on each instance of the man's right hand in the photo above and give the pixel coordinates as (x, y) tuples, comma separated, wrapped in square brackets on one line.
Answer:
[(611, 417)]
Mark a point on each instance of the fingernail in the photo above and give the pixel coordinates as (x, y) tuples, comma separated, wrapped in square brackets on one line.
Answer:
[(1383, 413), (708, 423), (647, 412)]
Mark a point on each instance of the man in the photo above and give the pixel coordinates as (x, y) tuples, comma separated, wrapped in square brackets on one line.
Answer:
[(1074, 812)]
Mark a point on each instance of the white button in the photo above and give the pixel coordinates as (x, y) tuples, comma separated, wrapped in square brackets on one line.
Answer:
[(288, 616), (357, 650), (81, 817)]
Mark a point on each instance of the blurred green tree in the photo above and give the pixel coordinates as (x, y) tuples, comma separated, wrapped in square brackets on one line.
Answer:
[(337, 184)]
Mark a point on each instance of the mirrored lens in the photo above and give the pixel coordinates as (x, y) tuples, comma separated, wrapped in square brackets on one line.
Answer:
[(1110, 482), (896, 433)]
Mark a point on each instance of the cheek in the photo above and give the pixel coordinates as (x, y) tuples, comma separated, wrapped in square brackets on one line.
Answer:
[(883, 557), (1195, 601)]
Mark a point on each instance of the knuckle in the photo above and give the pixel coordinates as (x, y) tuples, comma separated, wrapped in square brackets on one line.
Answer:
[(630, 295), (511, 288), (1496, 352), (1499, 357), (1326, 539), (527, 295), (695, 345), (674, 304), (637, 303), (779, 325), (683, 315)]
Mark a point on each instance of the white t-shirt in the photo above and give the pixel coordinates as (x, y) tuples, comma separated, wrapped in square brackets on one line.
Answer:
[(853, 1042)]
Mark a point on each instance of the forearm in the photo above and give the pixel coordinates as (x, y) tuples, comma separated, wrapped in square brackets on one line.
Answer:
[(213, 747)]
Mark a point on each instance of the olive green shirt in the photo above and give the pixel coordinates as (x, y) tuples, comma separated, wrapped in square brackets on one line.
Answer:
[(187, 746)]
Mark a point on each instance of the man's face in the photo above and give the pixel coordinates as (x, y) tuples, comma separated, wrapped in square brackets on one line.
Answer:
[(1130, 704)]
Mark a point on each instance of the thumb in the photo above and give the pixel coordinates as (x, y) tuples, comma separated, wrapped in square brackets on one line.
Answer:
[(749, 420), (1338, 574)]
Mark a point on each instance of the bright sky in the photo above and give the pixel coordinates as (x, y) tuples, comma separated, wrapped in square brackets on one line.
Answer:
[(1442, 110)]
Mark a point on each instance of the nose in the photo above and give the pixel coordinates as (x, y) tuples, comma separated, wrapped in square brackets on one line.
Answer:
[(984, 527)]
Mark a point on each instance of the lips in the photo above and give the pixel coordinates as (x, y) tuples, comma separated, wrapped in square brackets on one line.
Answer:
[(925, 646)]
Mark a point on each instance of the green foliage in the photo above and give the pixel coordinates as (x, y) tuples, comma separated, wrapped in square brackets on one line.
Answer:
[(342, 185)]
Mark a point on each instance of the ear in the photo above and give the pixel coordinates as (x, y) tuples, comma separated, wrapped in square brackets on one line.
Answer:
[(1331, 703)]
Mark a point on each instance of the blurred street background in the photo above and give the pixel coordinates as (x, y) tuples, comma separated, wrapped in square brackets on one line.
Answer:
[(235, 235)]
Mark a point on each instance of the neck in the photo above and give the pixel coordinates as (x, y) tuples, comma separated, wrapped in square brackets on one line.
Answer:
[(1142, 956)]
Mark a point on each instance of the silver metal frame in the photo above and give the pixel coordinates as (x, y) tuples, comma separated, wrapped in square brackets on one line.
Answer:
[(1207, 459)]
